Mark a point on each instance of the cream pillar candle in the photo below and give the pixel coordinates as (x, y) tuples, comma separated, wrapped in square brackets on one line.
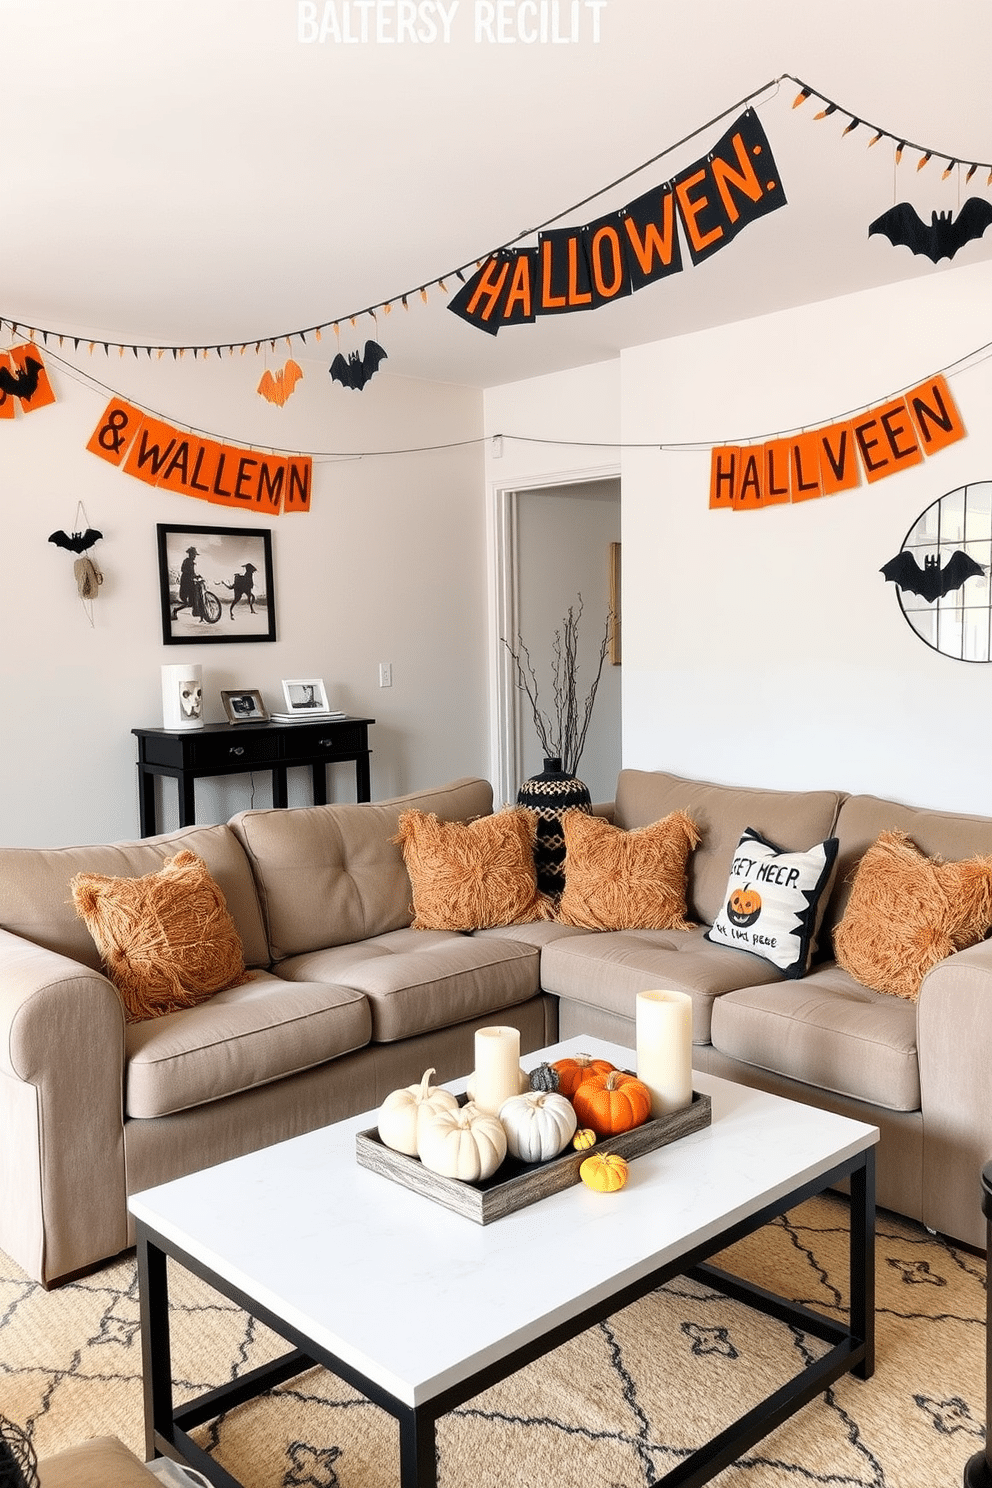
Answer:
[(497, 1067), (664, 1049)]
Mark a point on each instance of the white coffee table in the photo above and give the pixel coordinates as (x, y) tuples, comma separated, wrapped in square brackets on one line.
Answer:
[(420, 1308)]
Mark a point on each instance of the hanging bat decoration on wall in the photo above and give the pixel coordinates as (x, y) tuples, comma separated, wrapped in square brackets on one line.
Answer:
[(931, 581), (22, 383), (76, 542), (277, 386), (942, 236), (357, 370)]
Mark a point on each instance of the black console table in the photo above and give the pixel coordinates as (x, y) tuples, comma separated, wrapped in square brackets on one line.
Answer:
[(234, 749)]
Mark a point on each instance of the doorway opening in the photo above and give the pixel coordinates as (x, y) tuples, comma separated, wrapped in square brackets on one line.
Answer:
[(553, 542)]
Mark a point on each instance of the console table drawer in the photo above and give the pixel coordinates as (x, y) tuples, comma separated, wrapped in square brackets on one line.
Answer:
[(230, 749), (314, 739)]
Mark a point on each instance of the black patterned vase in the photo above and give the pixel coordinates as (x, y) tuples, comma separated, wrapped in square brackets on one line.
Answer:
[(550, 795)]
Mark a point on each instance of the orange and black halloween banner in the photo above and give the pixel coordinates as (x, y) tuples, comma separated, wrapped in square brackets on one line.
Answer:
[(579, 268), (23, 380), (227, 475), (820, 462)]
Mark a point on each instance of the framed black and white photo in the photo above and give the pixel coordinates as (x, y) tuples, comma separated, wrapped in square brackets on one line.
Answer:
[(305, 695), (245, 706), (215, 584)]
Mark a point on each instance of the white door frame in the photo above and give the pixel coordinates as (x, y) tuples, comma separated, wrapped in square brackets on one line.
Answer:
[(505, 719)]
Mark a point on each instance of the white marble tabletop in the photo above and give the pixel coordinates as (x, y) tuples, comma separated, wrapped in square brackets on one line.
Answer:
[(417, 1297)]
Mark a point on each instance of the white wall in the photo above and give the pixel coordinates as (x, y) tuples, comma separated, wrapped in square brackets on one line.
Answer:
[(766, 648), (388, 565)]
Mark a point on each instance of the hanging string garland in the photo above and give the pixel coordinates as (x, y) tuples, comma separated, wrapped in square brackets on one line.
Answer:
[(828, 109)]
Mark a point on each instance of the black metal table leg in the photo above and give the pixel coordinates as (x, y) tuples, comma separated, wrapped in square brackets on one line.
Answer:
[(418, 1450), (862, 1243)]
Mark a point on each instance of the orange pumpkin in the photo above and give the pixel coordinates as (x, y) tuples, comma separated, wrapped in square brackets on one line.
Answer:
[(612, 1102), (744, 906), (572, 1072)]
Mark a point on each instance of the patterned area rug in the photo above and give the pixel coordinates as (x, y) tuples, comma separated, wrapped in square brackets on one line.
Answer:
[(616, 1408)]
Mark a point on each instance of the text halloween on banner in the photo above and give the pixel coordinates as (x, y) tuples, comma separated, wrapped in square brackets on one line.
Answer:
[(580, 268), (227, 475), (819, 462)]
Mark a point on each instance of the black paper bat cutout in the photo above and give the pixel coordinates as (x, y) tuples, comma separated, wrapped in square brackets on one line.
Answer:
[(945, 233), (931, 581), (76, 542), (357, 370), (22, 383)]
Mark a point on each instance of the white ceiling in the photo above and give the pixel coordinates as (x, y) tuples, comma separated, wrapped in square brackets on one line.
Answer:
[(192, 172)]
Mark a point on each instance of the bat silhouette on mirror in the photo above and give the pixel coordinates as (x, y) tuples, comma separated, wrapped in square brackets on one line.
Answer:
[(942, 236), (355, 371), (76, 542), (931, 581), (24, 382)]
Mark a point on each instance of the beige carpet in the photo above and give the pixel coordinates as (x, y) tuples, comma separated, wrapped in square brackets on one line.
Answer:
[(615, 1408)]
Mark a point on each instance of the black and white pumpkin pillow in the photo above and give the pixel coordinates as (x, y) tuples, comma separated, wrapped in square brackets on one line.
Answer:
[(772, 901)]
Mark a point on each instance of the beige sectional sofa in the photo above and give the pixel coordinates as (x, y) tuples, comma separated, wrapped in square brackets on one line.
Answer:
[(346, 1001)]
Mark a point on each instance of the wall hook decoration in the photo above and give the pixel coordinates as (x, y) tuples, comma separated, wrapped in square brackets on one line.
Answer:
[(88, 577)]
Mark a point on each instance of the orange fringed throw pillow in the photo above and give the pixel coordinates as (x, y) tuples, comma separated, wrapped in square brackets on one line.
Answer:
[(167, 939), (907, 912), (617, 880), (471, 875)]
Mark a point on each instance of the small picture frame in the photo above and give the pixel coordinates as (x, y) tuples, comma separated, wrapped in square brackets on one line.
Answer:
[(244, 705), (305, 695)]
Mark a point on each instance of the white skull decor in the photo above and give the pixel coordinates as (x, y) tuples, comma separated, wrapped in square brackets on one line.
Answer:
[(182, 696), (190, 697)]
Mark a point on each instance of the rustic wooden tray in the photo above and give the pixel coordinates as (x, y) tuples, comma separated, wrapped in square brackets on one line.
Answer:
[(516, 1184)]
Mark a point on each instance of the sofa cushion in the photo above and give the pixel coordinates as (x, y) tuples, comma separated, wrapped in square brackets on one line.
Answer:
[(329, 875), (793, 819), (608, 969), (101, 1462), (35, 901), (249, 1036), (166, 939), (618, 880), (907, 912), (946, 834), (471, 875), (773, 901), (418, 980), (827, 1031)]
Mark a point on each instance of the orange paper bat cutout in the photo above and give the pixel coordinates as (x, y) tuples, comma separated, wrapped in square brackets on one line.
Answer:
[(277, 387)]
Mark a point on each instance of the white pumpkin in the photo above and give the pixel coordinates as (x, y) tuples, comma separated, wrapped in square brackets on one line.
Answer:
[(465, 1143), (538, 1124), (401, 1113)]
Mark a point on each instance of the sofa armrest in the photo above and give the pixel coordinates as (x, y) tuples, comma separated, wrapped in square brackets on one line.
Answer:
[(954, 1037), (61, 1112)]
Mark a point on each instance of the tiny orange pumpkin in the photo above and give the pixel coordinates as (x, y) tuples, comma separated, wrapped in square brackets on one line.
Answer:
[(604, 1171), (584, 1138), (572, 1072), (612, 1102)]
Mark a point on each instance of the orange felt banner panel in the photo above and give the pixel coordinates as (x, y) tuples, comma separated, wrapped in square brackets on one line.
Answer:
[(6, 398), (839, 467), (226, 475), (820, 462), (804, 467), (723, 476), (111, 439), (935, 415), (30, 371)]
